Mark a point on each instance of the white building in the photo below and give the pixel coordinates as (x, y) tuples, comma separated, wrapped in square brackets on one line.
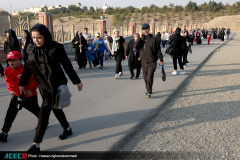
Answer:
[(36, 9), (105, 7), (57, 7), (15, 13), (82, 7)]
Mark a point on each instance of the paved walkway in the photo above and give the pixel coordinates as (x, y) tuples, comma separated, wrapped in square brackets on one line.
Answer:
[(201, 121), (106, 111)]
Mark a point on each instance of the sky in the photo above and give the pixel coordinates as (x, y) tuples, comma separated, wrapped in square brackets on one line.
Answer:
[(20, 5)]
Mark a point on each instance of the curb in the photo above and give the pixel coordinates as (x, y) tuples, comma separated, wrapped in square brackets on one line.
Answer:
[(139, 127)]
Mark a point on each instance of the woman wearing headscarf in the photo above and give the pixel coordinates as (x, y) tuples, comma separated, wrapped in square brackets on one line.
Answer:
[(186, 47), (80, 43), (46, 60), (179, 46), (118, 52), (12, 43), (24, 42), (133, 54)]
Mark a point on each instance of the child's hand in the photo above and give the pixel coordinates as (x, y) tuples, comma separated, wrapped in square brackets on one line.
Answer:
[(29, 93), (12, 93)]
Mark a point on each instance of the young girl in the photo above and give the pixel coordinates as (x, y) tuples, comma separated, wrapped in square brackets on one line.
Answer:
[(208, 38), (44, 61)]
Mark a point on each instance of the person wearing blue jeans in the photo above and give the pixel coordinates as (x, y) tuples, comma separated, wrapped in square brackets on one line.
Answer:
[(101, 47), (90, 52)]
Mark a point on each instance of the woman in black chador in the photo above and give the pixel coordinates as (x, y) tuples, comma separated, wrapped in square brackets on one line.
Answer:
[(24, 42), (80, 43), (12, 43), (133, 54), (46, 60)]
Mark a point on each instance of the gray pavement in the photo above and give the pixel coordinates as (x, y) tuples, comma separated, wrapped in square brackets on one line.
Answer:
[(107, 111), (202, 120)]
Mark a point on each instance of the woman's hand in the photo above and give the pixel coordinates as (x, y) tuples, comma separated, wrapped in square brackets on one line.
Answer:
[(80, 86)]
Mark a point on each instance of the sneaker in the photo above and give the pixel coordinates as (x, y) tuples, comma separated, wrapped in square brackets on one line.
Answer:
[(65, 134), (148, 95), (136, 77), (120, 74), (182, 73), (3, 137), (131, 77), (116, 76), (174, 73), (33, 149), (101, 67), (2, 74)]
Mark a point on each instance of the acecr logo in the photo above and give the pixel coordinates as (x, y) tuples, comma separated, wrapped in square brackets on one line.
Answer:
[(15, 156)]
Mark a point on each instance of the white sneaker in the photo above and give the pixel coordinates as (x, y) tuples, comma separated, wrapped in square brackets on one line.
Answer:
[(182, 73), (120, 74), (174, 73), (116, 76)]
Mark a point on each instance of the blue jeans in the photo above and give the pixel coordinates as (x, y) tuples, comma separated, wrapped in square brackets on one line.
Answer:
[(106, 55), (90, 61)]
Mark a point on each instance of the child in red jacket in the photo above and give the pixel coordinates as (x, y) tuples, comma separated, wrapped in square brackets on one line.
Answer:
[(208, 38), (12, 77)]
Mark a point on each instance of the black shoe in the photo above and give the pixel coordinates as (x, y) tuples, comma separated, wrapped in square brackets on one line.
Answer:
[(33, 149), (65, 134), (3, 137), (131, 77), (136, 77)]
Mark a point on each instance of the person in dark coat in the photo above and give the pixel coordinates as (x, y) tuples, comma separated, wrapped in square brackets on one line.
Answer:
[(12, 43), (179, 46), (150, 51), (221, 35), (118, 52), (159, 37), (44, 60), (198, 37), (24, 42), (80, 43), (186, 47), (133, 54)]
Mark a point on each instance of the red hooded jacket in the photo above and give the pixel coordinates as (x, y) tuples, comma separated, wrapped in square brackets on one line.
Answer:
[(12, 78)]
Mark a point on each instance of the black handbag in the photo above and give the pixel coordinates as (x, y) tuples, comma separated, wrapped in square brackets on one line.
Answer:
[(163, 73), (171, 49)]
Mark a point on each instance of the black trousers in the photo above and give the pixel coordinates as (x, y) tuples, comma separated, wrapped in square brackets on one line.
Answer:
[(148, 74), (31, 104), (44, 117), (185, 54), (177, 57), (131, 69), (1, 69), (118, 59)]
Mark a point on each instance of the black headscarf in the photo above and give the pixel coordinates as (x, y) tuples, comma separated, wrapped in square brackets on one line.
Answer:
[(12, 39), (28, 38), (12, 42), (43, 30), (177, 36)]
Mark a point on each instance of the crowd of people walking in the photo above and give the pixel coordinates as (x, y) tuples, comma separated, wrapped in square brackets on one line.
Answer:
[(45, 62)]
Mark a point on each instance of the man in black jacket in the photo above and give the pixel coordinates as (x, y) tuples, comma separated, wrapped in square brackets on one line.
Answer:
[(150, 51)]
